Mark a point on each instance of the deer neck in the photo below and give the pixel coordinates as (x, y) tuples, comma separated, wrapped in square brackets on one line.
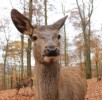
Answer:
[(47, 76)]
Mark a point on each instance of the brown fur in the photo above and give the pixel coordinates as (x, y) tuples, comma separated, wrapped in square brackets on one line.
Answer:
[(52, 82), (76, 85)]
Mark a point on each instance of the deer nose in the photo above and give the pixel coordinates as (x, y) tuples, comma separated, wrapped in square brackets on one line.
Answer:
[(51, 50)]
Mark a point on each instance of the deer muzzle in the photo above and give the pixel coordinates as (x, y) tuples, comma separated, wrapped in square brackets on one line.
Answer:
[(51, 51)]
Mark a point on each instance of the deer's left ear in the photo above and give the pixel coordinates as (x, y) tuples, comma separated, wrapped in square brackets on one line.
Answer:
[(58, 24), (21, 22)]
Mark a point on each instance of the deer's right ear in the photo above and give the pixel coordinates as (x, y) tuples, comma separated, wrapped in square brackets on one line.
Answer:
[(21, 22)]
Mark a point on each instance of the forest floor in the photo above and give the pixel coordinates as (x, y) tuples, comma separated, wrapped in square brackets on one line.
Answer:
[(94, 92)]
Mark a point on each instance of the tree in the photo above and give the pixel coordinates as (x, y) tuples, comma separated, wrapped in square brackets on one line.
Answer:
[(22, 44), (7, 38), (65, 35), (29, 43), (82, 21), (79, 43), (95, 42), (38, 11), (45, 11), (13, 67)]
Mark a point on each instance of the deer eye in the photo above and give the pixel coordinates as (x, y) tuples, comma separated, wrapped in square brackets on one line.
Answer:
[(34, 38), (59, 36)]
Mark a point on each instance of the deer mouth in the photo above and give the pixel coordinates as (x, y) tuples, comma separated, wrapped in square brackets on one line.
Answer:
[(52, 54), (50, 59)]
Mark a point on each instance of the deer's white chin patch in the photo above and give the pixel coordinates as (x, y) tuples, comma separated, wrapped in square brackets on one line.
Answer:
[(50, 59)]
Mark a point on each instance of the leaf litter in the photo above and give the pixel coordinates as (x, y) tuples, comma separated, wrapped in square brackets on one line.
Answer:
[(94, 92)]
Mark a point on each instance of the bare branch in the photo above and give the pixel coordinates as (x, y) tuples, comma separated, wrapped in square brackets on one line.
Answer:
[(79, 9), (11, 4)]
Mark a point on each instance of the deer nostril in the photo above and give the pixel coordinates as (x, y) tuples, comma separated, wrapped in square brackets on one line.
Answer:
[(50, 48), (51, 51)]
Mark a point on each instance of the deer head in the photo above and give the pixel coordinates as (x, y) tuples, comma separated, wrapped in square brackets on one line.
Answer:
[(46, 38)]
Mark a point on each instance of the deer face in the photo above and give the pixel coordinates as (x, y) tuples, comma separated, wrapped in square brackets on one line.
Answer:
[(46, 44), (46, 38)]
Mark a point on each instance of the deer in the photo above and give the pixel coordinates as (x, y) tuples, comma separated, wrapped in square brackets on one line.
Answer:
[(52, 81), (24, 82)]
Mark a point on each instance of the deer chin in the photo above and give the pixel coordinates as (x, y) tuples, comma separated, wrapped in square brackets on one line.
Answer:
[(50, 59)]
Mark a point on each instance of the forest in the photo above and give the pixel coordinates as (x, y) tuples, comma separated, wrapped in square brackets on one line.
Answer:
[(80, 48)]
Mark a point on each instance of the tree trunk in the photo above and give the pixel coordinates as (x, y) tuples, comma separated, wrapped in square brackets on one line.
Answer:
[(65, 48), (97, 65), (65, 37), (45, 11), (11, 82), (87, 53), (22, 47), (86, 30), (29, 44), (4, 68), (88, 64), (80, 57)]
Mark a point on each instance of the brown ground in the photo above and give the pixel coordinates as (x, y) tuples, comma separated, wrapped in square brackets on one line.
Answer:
[(11, 95), (94, 92)]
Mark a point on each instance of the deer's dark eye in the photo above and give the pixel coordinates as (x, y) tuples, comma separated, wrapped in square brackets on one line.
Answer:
[(34, 38), (59, 36)]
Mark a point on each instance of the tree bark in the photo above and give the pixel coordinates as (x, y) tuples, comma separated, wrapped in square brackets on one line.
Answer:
[(4, 68), (29, 44), (22, 47), (65, 37), (45, 11)]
